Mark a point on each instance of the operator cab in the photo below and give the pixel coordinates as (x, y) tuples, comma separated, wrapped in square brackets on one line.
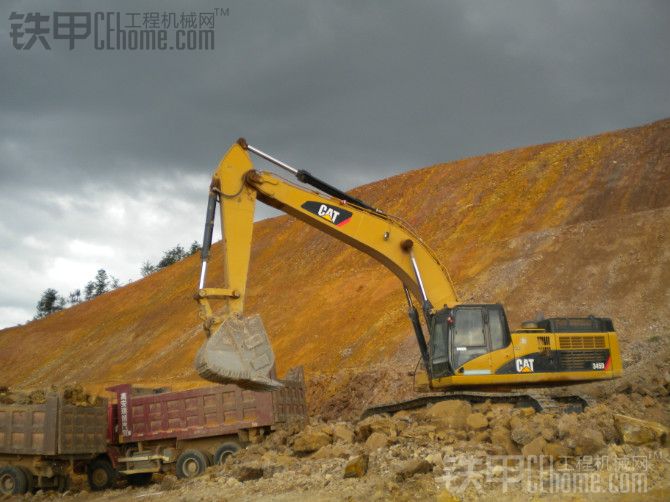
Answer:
[(465, 332)]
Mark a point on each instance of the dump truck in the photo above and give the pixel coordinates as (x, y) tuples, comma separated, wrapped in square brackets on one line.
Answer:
[(468, 346), (39, 443), (156, 430)]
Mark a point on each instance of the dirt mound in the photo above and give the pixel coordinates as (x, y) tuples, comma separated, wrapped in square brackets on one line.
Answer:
[(71, 394), (347, 393)]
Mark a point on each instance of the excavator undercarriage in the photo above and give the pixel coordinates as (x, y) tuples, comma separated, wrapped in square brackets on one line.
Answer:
[(541, 401)]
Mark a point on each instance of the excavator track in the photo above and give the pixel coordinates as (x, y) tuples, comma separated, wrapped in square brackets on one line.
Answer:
[(540, 402)]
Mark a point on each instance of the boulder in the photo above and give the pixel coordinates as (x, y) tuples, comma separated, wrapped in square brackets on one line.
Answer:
[(276, 439), (477, 421), (534, 448), (376, 423), (446, 436), (279, 459), (413, 466), (482, 407), (376, 440), (586, 441), (453, 413), (310, 441), (556, 450), (605, 424), (169, 482), (527, 411), (332, 451), (638, 432), (501, 436), (548, 433), (567, 425), (523, 430), (436, 459), (248, 472), (343, 433), (446, 496), (480, 436), (648, 401), (418, 431), (357, 467)]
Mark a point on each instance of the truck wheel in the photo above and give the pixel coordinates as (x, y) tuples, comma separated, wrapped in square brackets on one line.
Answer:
[(30, 485), (190, 464), (101, 475), (63, 483), (13, 481), (141, 479), (224, 451)]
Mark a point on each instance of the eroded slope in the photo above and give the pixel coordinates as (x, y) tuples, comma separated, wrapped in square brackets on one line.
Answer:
[(574, 227)]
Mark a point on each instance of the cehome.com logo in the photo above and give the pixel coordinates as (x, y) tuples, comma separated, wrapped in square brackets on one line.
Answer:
[(333, 214)]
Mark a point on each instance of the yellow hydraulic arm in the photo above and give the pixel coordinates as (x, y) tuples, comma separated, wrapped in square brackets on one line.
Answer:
[(237, 349)]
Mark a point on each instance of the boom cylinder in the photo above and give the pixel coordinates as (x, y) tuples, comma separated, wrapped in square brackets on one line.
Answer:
[(207, 237), (426, 306), (418, 332), (306, 177)]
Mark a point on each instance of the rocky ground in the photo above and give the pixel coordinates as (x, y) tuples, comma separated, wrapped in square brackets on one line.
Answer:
[(617, 449)]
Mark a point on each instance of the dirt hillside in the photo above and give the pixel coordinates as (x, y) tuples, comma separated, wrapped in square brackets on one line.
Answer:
[(568, 228)]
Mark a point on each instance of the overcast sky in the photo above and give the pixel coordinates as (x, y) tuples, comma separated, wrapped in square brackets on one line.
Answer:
[(105, 156)]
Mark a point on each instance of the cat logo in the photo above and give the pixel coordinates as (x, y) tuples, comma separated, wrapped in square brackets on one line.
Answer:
[(524, 365), (333, 214)]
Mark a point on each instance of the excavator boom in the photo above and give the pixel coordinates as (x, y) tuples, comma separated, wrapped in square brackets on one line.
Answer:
[(237, 349)]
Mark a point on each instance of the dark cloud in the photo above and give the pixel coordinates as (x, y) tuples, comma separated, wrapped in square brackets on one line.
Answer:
[(353, 91)]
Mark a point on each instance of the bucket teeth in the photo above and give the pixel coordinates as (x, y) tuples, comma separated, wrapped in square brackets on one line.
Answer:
[(238, 353)]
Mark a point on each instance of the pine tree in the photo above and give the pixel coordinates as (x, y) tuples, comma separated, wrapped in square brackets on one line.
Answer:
[(101, 282), (49, 303), (172, 256), (147, 268), (75, 297), (89, 290), (195, 247)]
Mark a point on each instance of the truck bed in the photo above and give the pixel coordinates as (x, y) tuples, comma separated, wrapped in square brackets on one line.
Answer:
[(212, 411), (53, 428)]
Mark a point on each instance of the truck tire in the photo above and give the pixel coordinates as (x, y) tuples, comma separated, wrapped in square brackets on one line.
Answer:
[(141, 479), (64, 483), (224, 451), (13, 480), (191, 463), (101, 475), (30, 485)]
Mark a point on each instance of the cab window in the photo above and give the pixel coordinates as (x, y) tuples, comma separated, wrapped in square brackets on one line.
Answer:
[(469, 328), (440, 349), (497, 329), (469, 340)]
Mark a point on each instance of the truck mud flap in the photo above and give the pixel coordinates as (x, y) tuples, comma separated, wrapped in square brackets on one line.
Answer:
[(240, 353)]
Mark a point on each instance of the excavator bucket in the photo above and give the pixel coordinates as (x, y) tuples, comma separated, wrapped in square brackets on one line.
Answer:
[(240, 353)]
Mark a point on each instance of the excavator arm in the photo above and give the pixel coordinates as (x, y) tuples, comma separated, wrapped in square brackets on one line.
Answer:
[(237, 349)]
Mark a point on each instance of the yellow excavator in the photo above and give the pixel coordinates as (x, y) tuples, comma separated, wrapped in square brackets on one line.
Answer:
[(469, 346)]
